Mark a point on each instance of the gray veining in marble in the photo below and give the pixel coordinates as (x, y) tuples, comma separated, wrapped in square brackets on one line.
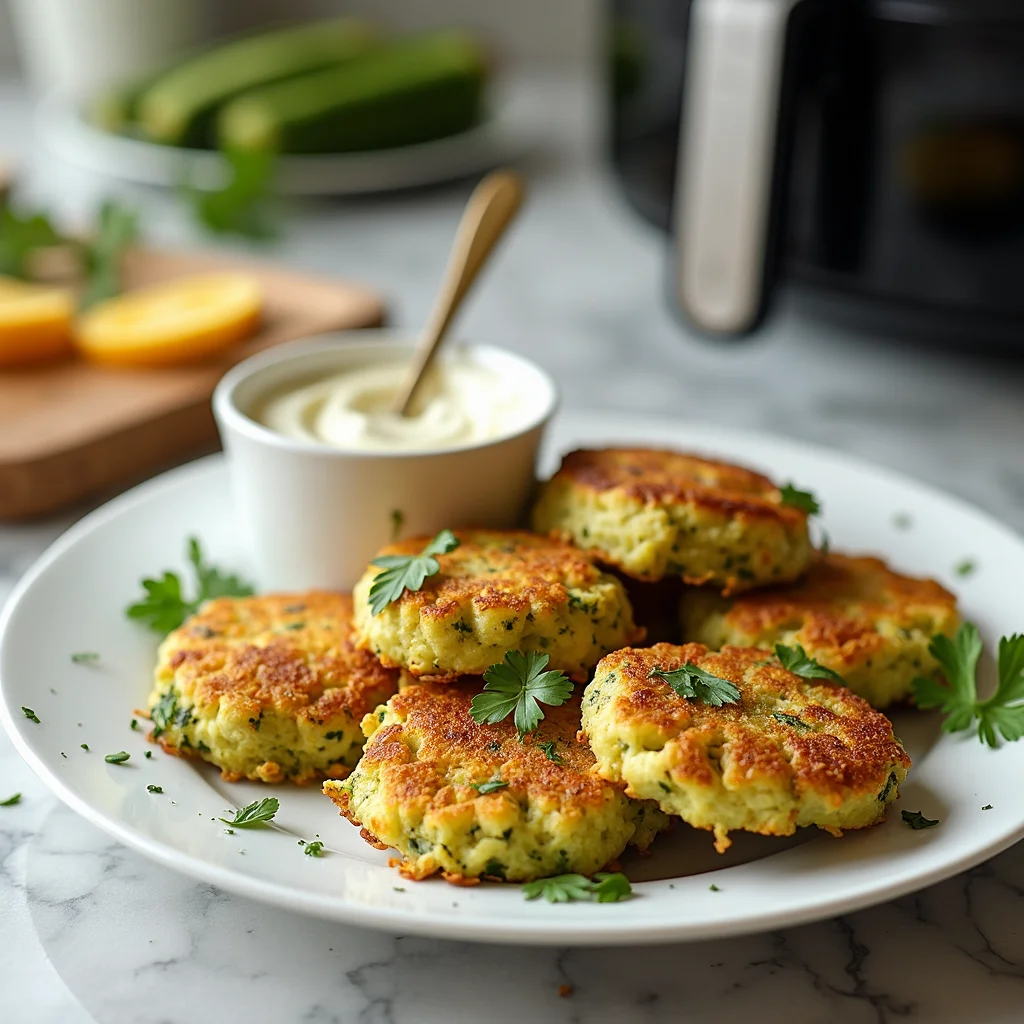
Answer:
[(91, 933)]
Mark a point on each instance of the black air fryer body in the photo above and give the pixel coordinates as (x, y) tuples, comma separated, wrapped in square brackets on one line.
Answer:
[(887, 180)]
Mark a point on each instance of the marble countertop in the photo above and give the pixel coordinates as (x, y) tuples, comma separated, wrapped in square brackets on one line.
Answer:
[(92, 932)]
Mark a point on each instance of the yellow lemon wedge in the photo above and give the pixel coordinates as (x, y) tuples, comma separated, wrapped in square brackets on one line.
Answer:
[(178, 321), (35, 323)]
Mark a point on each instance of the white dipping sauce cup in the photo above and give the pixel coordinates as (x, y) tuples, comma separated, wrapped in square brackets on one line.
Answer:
[(314, 515)]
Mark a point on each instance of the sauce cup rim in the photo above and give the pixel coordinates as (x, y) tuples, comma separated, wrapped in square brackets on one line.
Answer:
[(230, 415)]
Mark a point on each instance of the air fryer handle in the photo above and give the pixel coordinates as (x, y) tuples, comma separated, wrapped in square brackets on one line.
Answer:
[(732, 102)]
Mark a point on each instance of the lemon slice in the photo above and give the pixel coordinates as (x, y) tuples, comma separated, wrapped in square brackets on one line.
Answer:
[(35, 323), (179, 321)]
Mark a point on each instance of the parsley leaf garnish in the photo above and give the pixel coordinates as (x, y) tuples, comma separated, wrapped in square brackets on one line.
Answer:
[(85, 658), (692, 683), (407, 572), (1002, 714), (119, 758), (516, 685), (604, 888), (165, 607), (916, 820), (314, 849), (154, 789), (796, 660), (803, 500), (11, 800), (31, 715), (489, 786), (255, 813)]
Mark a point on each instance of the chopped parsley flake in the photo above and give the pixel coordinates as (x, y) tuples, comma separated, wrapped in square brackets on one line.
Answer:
[(550, 753), (30, 715), (11, 800), (119, 758), (85, 658), (314, 849), (916, 820), (488, 787), (965, 568), (154, 789)]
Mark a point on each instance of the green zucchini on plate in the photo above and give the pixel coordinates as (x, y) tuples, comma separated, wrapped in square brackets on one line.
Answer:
[(180, 106), (412, 90)]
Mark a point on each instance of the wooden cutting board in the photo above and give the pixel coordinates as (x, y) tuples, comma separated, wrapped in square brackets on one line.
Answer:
[(71, 431)]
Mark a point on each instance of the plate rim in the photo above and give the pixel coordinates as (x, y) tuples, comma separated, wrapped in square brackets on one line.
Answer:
[(429, 923)]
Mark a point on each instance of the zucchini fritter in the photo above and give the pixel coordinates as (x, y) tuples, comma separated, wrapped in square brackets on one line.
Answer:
[(853, 615), (654, 513), (789, 753), (268, 688), (473, 801), (498, 591)]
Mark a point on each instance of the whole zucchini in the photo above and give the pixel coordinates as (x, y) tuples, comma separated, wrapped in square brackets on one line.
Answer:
[(413, 90), (179, 108)]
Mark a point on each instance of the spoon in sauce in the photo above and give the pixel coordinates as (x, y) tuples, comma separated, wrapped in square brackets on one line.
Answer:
[(488, 213)]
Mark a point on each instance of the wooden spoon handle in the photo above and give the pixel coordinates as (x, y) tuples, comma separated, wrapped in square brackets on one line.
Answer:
[(490, 209)]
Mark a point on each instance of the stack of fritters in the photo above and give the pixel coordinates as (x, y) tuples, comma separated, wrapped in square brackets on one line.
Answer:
[(276, 688), (751, 580), (471, 800)]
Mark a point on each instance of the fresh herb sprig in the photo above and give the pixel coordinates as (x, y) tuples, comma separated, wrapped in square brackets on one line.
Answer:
[(241, 206), (605, 887), (407, 572), (692, 682), (803, 500), (796, 660), (98, 257), (518, 686), (254, 814), (165, 607), (1002, 714)]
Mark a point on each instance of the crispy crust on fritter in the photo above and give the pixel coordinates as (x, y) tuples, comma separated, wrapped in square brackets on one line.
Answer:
[(854, 615), (828, 760), (500, 590), (655, 513), (414, 790), (270, 687)]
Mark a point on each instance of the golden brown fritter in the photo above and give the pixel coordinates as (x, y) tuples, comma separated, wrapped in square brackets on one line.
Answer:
[(791, 752), (472, 800), (499, 591), (269, 688), (655, 513), (853, 615)]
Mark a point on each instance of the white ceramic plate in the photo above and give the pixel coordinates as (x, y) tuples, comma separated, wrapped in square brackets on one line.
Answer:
[(72, 600), (502, 137)]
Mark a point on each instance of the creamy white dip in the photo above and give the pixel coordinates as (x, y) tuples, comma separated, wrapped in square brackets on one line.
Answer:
[(460, 403)]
